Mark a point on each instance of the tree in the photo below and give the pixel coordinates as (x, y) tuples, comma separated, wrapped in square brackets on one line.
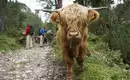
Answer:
[(115, 26), (94, 3), (3, 5), (49, 4), (18, 16), (120, 30)]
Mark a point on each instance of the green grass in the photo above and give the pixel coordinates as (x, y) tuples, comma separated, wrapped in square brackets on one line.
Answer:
[(103, 72), (8, 43), (102, 64), (56, 51)]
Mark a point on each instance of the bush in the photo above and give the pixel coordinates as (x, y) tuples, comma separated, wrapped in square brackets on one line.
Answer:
[(14, 32), (7, 43), (56, 50), (103, 72)]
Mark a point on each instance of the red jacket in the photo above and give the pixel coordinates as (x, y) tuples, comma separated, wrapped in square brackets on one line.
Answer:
[(27, 30)]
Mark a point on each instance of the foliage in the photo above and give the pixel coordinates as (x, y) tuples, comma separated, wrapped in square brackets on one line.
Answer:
[(15, 16), (33, 20), (95, 3), (56, 50), (8, 43), (103, 63), (18, 16), (113, 24), (52, 27), (103, 72), (49, 4)]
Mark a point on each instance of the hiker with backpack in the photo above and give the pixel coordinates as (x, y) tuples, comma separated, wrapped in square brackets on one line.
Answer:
[(42, 32), (29, 36)]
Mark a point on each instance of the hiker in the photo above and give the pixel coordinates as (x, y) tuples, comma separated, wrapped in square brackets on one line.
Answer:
[(29, 35), (42, 32)]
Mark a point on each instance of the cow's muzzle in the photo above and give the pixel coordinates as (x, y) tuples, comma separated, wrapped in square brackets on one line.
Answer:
[(74, 35)]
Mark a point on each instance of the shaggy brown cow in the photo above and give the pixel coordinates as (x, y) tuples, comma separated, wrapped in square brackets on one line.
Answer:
[(72, 34)]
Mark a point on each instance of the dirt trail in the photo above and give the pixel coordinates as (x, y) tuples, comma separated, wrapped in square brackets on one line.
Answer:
[(33, 64)]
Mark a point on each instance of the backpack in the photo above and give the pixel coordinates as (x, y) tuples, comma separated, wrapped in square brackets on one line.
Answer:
[(31, 32)]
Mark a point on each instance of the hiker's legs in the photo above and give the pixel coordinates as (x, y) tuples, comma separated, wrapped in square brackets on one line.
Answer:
[(41, 40), (27, 41), (45, 40), (31, 42)]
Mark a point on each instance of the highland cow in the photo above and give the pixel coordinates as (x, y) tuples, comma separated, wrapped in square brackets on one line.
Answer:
[(72, 34)]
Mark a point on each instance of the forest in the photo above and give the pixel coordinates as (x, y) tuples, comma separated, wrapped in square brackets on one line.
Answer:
[(108, 42)]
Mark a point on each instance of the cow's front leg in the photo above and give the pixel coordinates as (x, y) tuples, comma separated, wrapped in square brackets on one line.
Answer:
[(80, 63), (69, 70), (69, 64), (80, 57)]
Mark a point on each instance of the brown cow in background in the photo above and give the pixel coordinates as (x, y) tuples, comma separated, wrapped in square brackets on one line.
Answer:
[(72, 34)]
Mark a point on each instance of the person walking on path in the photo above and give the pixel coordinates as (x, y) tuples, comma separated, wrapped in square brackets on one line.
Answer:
[(29, 35), (42, 31)]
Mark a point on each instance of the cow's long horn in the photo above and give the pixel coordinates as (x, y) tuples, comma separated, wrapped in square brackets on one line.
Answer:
[(99, 8), (46, 10)]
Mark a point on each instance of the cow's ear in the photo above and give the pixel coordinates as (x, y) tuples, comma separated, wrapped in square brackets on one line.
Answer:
[(92, 15), (54, 17)]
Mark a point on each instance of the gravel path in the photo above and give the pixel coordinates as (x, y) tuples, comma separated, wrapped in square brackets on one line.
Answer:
[(33, 64)]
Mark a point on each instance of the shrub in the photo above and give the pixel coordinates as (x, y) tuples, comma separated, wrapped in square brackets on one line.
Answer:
[(7, 43)]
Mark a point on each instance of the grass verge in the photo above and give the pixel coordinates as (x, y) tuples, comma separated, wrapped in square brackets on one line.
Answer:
[(8, 43)]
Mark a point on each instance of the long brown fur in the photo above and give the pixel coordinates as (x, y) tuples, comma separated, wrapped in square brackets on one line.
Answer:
[(73, 17)]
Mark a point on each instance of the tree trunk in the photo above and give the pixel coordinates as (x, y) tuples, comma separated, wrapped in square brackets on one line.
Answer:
[(3, 4), (59, 3), (2, 27)]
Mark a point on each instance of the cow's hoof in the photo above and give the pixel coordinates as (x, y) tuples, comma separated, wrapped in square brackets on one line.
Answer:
[(69, 77)]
